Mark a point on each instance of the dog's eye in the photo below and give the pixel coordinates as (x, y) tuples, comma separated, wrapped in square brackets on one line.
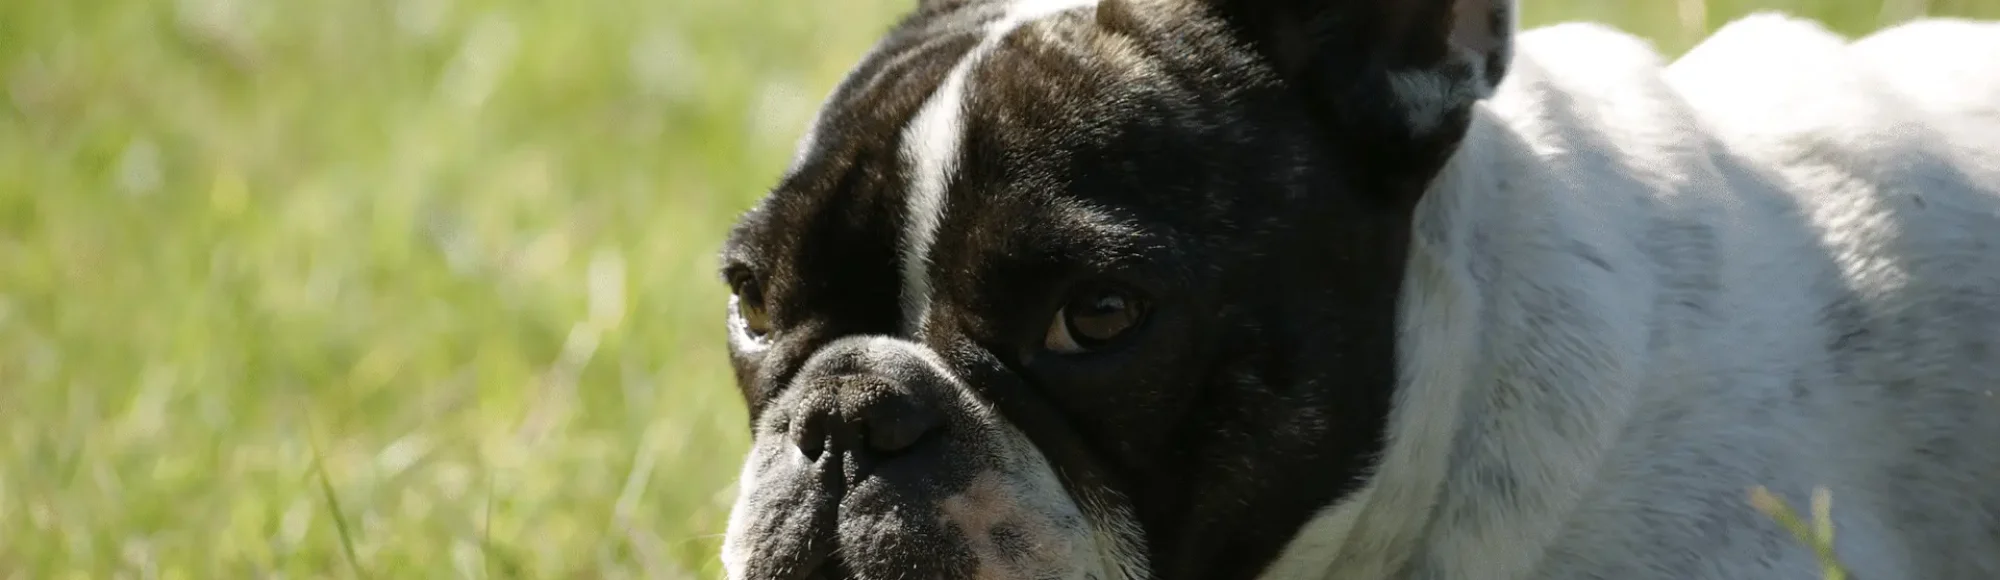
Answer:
[(748, 300), (1092, 319), (755, 321)]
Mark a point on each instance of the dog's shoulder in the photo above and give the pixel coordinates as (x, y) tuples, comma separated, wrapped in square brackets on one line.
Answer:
[(1946, 65), (1949, 69), (1579, 74), (1793, 93), (1889, 142), (1578, 52), (1774, 85)]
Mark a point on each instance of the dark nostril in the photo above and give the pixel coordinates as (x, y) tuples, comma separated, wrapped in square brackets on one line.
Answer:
[(809, 435), (862, 425), (899, 424)]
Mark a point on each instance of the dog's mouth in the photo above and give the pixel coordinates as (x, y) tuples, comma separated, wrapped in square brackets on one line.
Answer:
[(832, 568), (982, 532), (908, 555), (872, 535), (974, 500)]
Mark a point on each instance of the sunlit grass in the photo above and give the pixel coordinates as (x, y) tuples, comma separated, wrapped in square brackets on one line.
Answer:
[(409, 288)]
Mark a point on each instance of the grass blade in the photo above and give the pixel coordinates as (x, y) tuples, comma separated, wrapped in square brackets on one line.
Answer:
[(332, 498)]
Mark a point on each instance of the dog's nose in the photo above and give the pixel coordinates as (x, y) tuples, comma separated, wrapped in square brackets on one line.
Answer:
[(879, 428), (868, 403)]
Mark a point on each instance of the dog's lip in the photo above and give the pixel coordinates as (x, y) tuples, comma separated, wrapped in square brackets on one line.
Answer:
[(798, 538), (830, 567)]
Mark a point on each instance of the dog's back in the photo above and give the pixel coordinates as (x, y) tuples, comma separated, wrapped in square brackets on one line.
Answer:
[(1888, 150), (1890, 147), (1817, 225)]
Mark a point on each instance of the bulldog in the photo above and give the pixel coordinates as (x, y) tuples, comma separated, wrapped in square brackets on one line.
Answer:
[(1319, 289)]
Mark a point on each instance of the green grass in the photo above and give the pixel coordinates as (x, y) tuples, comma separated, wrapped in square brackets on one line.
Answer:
[(409, 288)]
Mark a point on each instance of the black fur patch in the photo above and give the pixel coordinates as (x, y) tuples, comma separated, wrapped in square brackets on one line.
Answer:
[(1251, 180)]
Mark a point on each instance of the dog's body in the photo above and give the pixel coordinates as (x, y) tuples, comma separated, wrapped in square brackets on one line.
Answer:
[(1774, 263), (1537, 307)]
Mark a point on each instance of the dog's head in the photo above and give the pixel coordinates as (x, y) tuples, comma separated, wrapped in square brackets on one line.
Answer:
[(1074, 289)]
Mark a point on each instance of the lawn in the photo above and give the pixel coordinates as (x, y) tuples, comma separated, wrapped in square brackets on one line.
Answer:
[(412, 288)]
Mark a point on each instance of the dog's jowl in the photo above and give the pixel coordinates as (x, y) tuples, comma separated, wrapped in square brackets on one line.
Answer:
[(1320, 290)]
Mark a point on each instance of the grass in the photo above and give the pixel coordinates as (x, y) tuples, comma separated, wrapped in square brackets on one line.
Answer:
[(1818, 535), (411, 288)]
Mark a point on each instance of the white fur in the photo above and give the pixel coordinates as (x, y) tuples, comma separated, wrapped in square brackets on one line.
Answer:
[(1115, 547), (931, 150), (1624, 301), (930, 147)]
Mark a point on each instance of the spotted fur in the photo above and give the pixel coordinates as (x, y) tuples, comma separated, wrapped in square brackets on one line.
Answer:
[(1429, 299)]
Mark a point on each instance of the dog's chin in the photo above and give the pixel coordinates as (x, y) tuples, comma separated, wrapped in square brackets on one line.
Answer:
[(860, 564), (997, 524), (878, 548), (975, 499), (886, 532), (833, 568)]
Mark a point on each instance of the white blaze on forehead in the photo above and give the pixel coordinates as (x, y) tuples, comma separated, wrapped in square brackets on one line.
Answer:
[(931, 149)]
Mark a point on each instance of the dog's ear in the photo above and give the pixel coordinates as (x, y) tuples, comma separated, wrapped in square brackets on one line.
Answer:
[(942, 5), (1467, 42), (1401, 74)]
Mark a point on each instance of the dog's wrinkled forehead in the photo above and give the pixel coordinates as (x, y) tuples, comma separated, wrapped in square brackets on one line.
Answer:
[(969, 120), (974, 67)]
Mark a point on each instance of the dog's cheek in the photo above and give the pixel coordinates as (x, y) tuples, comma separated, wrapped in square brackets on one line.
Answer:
[(737, 550), (777, 517), (1015, 528)]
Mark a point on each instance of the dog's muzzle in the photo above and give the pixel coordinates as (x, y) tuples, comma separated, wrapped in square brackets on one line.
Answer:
[(877, 463)]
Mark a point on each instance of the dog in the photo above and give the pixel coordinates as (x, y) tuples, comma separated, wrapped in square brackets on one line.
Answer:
[(1317, 289)]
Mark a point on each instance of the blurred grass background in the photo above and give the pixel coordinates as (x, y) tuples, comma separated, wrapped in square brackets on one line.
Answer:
[(415, 288)]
